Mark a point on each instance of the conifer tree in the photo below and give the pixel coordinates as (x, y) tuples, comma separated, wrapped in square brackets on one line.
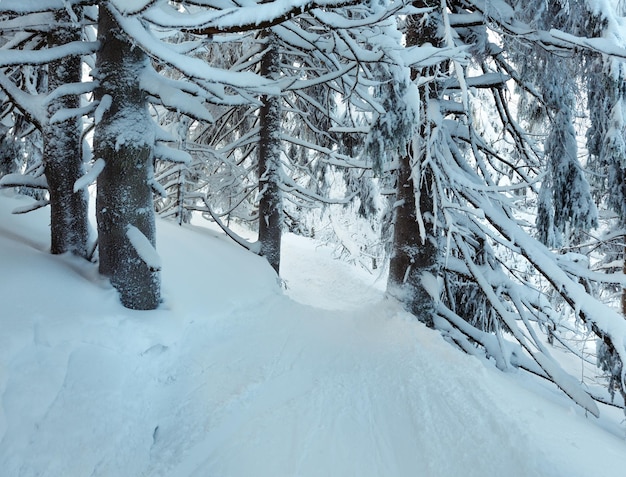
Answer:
[(124, 140), (62, 144), (416, 248), (270, 202)]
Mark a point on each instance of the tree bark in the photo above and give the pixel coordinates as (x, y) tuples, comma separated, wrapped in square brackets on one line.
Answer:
[(624, 288), (62, 151), (124, 139), (270, 202), (415, 253)]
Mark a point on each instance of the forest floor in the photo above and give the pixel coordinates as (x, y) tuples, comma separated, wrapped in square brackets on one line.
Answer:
[(239, 375)]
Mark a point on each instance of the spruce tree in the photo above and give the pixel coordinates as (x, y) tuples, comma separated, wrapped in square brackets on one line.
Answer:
[(124, 140)]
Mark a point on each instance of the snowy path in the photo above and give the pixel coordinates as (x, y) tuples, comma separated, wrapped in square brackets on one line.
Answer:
[(232, 378), (330, 395)]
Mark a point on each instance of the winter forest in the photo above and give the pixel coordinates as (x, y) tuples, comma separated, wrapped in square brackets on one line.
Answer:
[(472, 153)]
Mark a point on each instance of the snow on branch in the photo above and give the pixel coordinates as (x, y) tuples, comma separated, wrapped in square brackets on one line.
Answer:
[(605, 321), (65, 114), (238, 19), (47, 55), (90, 176), (144, 248), (32, 107), (169, 154), (171, 95), (22, 7), (38, 204), (69, 89), (424, 56), (193, 68), (322, 79), (252, 247), (599, 45), (330, 156), (566, 382), (102, 107), (132, 7), (340, 22), (20, 180), (287, 184), (484, 81)]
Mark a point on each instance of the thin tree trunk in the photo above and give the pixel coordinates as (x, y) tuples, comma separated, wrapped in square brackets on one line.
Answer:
[(124, 138), (270, 202), (62, 151), (624, 288)]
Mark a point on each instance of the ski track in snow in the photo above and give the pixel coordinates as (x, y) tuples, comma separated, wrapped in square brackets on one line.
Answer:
[(343, 407), (233, 378)]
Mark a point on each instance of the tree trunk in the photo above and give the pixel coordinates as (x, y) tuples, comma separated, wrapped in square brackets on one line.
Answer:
[(270, 202), (62, 151), (624, 288), (414, 252), (124, 139)]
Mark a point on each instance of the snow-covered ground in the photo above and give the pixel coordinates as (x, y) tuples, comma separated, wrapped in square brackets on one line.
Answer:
[(233, 376)]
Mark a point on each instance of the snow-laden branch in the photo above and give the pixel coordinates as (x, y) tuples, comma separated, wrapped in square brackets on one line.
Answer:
[(22, 7), (238, 19), (287, 184), (170, 154), (21, 180), (31, 106), (425, 56), (66, 114), (90, 176), (566, 382), (331, 157), (193, 68), (252, 247), (171, 95), (68, 89), (598, 45), (144, 248), (25, 209), (604, 319), (322, 79), (133, 7), (46, 55)]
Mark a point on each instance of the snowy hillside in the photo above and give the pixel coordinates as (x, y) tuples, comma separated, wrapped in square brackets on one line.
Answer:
[(233, 377)]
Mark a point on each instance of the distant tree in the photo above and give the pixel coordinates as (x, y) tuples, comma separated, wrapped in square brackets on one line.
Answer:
[(270, 201), (606, 136), (54, 54), (321, 61), (62, 137), (566, 209)]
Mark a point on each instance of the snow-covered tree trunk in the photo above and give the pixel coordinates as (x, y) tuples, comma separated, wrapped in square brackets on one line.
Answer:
[(415, 253), (270, 202), (124, 139), (62, 151), (606, 137), (624, 288)]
